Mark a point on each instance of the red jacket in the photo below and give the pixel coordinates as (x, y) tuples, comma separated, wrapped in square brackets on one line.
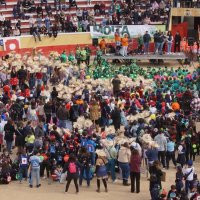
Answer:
[(135, 163), (39, 75)]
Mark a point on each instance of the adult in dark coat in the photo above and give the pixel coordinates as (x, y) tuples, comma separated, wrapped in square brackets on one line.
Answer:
[(116, 117), (54, 93), (116, 86), (105, 114), (22, 75), (177, 42), (19, 140), (9, 134), (155, 169), (48, 111)]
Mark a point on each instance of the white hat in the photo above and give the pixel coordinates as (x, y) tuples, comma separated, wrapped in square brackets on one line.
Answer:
[(88, 123)]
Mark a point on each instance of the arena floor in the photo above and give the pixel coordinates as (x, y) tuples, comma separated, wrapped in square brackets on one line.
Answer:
[(55, 191)]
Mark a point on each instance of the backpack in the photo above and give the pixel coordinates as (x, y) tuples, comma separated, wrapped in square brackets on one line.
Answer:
[(24, 161), (153, 178), (72, 167), (52, 149), (90, 148)]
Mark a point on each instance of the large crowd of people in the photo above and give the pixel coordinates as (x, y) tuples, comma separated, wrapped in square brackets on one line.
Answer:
[(69, 121)]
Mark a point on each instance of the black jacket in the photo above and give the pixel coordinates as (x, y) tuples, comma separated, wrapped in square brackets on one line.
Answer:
[(177, 38), (9, 132)]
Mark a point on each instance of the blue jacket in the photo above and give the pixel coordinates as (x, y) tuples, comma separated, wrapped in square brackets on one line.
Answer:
[(152, 154)]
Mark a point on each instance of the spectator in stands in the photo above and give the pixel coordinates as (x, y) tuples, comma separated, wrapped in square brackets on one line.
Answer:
[(62, 21), (31, 21), (85, 14), (79, 14), (43, 2), (177, 42), (47, 22), (43, 30), (39, 22), (18, 26), (72, 3), (55, 30), (15, 12), (32, 6), (20, 12), (39, 10), (89, 2), (16, 32), (162, 6), (146, 40), (2, 18), (57, 4), (135, 16), (84, 25), (155, 6), (63, 5), (48, 9), (3, 2), (104, 21), (102, 8), (7, 31), (26, 6), (35, 32), (118, 10), (146, 21), (97, 8)]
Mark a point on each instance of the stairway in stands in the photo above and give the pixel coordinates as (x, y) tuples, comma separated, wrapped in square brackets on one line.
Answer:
[(7, 12)]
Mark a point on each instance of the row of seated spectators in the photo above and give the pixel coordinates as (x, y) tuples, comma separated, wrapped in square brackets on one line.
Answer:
[(119, 13)]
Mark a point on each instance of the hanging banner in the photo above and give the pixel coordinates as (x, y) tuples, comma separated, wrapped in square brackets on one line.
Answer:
[(133, 31), (182, 28), (11, 43)]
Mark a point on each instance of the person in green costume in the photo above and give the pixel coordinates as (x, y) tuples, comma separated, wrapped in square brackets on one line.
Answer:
[(88, 51), (63, 57), (83, 55), (71, 57)]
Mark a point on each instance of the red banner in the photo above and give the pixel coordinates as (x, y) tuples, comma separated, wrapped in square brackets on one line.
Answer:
[(182, 28)]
